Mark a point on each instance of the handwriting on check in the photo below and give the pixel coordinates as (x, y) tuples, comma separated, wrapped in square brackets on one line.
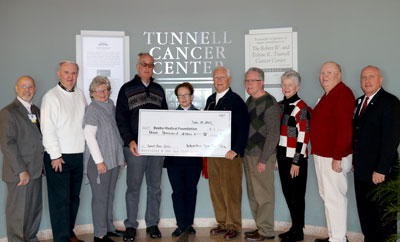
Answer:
[(180, 131)]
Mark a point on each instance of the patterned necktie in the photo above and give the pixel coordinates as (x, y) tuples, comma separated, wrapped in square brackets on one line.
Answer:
[(33, 111), (364, 106)]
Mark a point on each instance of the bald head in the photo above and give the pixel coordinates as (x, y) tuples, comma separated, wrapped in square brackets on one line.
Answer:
[(25, 88), (336, 65), (371, 80), (25, 77), (374, 68), (330, 75)]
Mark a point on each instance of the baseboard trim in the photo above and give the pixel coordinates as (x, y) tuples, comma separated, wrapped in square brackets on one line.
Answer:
[(204, 222)]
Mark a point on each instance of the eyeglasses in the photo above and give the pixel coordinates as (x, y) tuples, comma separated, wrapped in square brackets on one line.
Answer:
[(183, 96), (144, 64), (101, 91), (252, 81), (27, 87), (223, 78)]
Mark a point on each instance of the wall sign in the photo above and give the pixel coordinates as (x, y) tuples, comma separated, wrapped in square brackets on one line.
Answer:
[(104, 53), (274, 51)]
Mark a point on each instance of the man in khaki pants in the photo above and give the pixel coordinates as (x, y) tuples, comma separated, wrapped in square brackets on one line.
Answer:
[(260, 154), (225, 174)]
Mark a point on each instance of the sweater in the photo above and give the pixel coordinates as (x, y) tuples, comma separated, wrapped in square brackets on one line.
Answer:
[(240, 118), (295, 128), (61, 122), (132, 97), (331, 124), (103, 140), (264, 127)]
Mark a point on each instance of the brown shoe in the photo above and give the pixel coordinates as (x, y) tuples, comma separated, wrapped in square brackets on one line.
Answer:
[(231, 235), (259, 237), (75, 239), (218, 230), (250, 233)]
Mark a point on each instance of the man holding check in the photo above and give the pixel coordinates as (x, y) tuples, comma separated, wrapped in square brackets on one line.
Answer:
[(140, 93), (225, 174)]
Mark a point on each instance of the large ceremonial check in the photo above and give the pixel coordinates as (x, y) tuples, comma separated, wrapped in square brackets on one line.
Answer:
[(184, 133)]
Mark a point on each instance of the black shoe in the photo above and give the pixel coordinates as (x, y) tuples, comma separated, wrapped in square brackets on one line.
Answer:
[(286, 234), (104, 239), (190, 230), (177, 232), (154, 232), (116, 233), (327, 240), (294, 236), (129, 234), (322, 240)]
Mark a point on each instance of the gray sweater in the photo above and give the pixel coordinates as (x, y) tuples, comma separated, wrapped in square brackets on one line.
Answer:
[(264, 127)]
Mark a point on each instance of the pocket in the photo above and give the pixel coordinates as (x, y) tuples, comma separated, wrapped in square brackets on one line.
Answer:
[(347, 163)]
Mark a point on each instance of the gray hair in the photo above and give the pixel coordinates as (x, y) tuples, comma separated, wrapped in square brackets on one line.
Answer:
[(293, 75), (68, 62), (258, 70), (228, 72), (97, 81), (143, 54)]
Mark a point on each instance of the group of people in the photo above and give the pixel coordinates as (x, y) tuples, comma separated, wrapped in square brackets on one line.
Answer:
[(67, 139)]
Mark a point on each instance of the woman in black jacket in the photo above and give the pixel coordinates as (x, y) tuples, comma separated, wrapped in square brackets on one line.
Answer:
[(184, 173)]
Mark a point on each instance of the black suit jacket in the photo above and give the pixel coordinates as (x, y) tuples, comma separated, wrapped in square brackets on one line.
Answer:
[(240, 118), (376, 136), (21, 143)]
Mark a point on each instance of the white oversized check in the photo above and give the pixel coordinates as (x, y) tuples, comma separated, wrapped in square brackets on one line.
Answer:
[(184, 133)]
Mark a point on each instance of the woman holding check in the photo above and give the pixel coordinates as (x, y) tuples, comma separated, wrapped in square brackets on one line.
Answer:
[(184, 173)]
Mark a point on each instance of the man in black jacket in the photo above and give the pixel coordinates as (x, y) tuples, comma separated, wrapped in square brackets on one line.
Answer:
[(375, 141), (225, 174), (140, 93)]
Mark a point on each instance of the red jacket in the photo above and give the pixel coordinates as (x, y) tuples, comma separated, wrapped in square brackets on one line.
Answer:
[(331, 124)]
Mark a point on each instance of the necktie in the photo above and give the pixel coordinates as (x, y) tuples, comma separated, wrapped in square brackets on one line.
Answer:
[(364, 106), (33, 111)]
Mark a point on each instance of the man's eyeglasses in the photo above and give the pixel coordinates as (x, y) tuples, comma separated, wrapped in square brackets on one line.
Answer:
[(183, 96), (27, 87), (251, 81), (144, 64)]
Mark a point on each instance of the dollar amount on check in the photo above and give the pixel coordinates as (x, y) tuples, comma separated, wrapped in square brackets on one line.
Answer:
[(184, 133)]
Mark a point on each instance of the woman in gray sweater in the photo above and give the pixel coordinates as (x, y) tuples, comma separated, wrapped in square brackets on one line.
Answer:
[(103, 157)]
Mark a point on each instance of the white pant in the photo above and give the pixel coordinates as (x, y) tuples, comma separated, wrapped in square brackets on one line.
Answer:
[(332, 189)]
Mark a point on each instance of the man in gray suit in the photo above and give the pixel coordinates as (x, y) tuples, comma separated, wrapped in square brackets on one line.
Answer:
[(21, 144)]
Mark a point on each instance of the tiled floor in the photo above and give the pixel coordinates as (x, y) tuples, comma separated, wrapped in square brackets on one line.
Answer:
[(202, 235)]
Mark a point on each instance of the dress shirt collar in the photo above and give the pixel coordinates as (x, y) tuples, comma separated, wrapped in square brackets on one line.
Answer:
[(64, 88), (370, 97), (25, 104)]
